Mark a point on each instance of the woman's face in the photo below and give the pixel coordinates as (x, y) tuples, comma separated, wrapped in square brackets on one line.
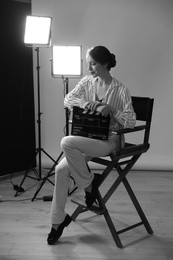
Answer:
[(95, 68)]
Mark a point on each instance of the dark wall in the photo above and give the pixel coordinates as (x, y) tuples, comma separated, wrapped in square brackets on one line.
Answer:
[(17, 97)]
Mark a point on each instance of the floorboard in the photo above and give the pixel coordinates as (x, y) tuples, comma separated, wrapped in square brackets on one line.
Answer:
[(24, 225)]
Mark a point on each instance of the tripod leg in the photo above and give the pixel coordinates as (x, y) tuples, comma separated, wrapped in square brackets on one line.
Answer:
[(20, 186), (46, 177), (26, 173), (39, 188), (48, 155)]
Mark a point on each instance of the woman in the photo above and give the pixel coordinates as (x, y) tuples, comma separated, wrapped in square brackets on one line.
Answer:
[(98, 91)]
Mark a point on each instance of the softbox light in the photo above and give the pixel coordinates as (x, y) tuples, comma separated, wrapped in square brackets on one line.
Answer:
[(37, 31), (66, 61)]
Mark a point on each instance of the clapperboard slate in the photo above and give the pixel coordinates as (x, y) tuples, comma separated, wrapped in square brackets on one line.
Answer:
[(90, 124)]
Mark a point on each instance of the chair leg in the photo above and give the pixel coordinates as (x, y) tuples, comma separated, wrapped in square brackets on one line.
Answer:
[(99, 210), (112, 229), (108, 219), (80, 209), (137, 206), (102, 210)]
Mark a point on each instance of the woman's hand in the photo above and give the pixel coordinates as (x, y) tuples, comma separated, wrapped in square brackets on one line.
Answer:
[(91, 105), (104, 109)]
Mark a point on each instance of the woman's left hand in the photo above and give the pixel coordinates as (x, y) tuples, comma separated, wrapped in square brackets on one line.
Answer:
[(104, 109)]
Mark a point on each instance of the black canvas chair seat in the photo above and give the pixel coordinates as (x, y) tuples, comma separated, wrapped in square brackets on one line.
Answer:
[(123, 160)]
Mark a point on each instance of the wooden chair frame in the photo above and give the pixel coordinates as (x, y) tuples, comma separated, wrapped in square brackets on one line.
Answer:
[(125, 157)]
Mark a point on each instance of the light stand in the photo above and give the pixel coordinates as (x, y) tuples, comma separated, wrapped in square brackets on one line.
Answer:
[(41, 22), (66, 82), (51, 171), (63, 55)]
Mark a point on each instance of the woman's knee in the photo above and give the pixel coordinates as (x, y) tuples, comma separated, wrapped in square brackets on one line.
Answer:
[(66, 142), (62, 168)]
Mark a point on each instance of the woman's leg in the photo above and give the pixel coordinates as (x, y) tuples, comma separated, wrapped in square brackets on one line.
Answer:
[(62, 175), (74, 148)]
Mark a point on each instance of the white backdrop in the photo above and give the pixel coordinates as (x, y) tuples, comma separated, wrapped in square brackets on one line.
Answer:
[(140, 33)]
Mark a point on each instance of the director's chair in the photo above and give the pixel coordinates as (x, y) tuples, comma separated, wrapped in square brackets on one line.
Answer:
[(123, 160)]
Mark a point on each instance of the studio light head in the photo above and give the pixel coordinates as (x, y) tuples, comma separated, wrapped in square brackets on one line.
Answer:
[(66, 61), (38, 31)]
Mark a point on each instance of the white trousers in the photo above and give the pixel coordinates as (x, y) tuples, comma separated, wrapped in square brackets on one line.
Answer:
[(77, 151)]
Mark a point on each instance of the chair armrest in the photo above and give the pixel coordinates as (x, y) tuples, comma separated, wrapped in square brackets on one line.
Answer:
[(129, 130), (121, 131)]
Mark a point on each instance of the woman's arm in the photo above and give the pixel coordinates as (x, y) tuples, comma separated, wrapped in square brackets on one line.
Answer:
[(78, 96), (123, 111)]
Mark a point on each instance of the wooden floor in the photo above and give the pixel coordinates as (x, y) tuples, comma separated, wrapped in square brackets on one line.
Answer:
[(24, 225)]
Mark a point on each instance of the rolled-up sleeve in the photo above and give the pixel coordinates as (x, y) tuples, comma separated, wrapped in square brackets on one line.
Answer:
[(77, 97), (123, 114), (126, 115)]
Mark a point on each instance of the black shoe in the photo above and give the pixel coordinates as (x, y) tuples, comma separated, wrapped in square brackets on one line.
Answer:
[(54, 235), (90, 197)]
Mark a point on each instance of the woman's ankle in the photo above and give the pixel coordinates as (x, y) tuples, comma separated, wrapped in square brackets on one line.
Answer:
[(88, 189), (55, 226)]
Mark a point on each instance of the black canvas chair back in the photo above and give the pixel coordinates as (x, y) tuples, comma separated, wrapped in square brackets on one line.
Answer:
[(143, 108), (122, 161)]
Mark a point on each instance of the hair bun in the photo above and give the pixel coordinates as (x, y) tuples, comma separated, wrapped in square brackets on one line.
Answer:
[(102, 55), (112, 60)]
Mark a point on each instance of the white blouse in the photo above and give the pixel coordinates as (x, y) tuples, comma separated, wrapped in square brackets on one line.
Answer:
[(117, 97)]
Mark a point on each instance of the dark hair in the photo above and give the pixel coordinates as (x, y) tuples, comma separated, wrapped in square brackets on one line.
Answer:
[(103, 56)]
